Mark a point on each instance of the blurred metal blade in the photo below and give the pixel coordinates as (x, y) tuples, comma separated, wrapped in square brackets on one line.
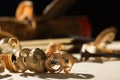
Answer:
[(57, 7)]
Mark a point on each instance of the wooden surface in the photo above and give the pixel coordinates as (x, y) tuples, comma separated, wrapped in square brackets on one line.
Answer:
[(82, 70), (108, 70)]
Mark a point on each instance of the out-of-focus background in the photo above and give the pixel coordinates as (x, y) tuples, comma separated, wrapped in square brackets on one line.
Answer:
[(86, 18), (101, 14)]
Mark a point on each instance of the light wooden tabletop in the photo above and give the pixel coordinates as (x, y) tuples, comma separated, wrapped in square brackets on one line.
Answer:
[(80, 71)]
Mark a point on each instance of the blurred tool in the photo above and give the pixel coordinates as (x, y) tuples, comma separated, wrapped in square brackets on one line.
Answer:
[(26, 25)]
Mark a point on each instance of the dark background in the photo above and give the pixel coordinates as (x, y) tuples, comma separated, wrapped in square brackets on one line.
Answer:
[(101, 14)]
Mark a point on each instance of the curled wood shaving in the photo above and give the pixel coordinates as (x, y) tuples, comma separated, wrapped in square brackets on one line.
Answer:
[(6, 60), (24, 10), (20, 60), (101, 41), (55, 58), (63, 59), (10, 45), (36, 60), (69, 61), (104, 38), (4, 34), (53, 47), (25, 14), (2, 69), (55, 53)]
